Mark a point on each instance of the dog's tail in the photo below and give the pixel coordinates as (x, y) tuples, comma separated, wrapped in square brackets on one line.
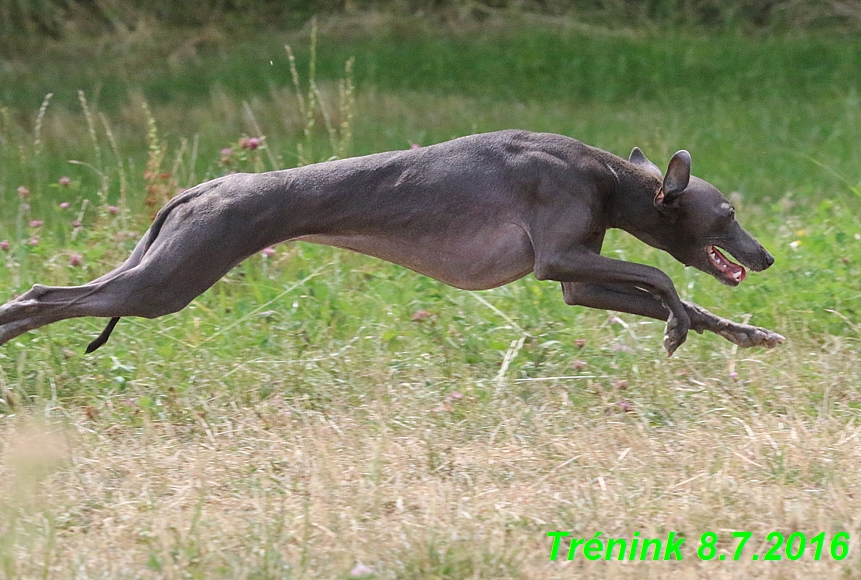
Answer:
[(104, 336), (151, 235)]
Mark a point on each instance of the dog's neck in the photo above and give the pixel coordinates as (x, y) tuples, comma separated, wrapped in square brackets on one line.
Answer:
[(633, 202)]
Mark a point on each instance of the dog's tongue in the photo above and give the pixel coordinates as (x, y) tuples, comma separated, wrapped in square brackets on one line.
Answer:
[(730, 269)]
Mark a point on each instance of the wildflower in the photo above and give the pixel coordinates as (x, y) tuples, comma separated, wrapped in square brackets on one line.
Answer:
[(733, 375), (268, 252), (76, 260), (226, 152), (794, 245), (420, 315), (4, 245), (34, 241), (35, 223), (626, 406), (360, 570), (23, 192), (76, 224), (249, 143), (579, 365), (64, 205), (415, 146), (64, 181), (113, 210)]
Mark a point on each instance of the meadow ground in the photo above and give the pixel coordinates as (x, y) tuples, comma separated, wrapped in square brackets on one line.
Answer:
[(317, 409)]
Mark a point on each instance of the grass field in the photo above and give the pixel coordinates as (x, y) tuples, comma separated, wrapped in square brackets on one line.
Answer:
[(317, 409)]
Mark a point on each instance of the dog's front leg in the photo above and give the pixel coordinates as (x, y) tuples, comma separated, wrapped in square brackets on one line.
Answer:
[(636, 301), (620, 298), (744, 335), (586, 268)]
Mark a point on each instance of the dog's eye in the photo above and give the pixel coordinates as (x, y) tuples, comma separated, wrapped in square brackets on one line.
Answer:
[(731, 214)]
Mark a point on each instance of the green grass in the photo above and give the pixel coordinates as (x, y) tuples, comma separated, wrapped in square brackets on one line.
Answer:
[(761, 115), (295, 418)]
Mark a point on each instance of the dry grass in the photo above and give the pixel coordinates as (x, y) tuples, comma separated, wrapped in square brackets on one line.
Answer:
[(462, 489)]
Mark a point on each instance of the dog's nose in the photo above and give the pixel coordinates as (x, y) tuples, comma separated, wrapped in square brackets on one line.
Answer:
[(769, 260)]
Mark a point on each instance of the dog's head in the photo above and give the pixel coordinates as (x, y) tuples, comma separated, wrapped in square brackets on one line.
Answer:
[(696, 222)]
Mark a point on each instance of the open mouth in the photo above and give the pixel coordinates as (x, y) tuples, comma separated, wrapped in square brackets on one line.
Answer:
[(730, 270)]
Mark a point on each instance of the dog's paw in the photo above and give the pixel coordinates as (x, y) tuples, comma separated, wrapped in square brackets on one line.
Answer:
[(765, 337), (748, 336), (675, 334)]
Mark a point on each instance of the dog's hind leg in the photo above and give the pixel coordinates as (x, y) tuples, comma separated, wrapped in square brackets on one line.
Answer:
[(138, 291), (149, 290), (180, 264)]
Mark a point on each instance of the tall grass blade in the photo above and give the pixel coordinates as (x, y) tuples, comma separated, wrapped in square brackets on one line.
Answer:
[(94, 139)]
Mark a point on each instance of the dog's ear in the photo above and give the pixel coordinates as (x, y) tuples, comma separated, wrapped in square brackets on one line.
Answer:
[(677, 179), (640, 160)]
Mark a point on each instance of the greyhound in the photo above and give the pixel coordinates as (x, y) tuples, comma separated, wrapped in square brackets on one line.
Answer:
[(475, 213)]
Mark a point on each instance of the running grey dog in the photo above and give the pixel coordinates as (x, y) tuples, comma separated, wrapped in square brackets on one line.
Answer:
[(476, 213)]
